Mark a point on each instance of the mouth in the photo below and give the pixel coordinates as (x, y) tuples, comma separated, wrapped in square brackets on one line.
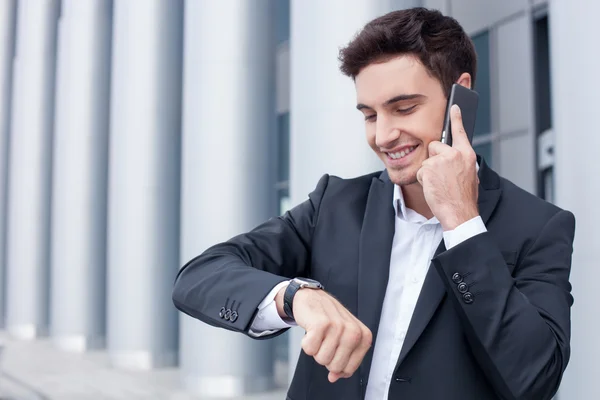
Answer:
[(404, 153)]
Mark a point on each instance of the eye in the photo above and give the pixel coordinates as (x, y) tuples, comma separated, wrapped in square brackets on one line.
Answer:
[(371, 118), (406, 110)]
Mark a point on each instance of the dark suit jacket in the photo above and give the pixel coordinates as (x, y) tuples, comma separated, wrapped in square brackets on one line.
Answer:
[(508, 338)]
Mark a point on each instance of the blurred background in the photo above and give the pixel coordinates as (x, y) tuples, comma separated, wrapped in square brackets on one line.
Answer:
[(134, 134)]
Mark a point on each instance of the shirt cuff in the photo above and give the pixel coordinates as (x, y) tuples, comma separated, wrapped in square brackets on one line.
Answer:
[(267, 320), (466, 230)]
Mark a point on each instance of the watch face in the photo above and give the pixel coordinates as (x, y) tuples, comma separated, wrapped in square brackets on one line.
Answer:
[(306, 282)]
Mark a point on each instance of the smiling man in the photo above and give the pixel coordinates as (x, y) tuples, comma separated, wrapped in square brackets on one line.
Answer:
[(434, 279)]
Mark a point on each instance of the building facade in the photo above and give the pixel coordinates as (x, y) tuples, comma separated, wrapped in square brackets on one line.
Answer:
[(136, 133)]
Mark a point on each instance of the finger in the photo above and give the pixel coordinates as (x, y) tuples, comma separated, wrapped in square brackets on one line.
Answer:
[(311, 342), (350, 340), (331, 339), (333, 377), (459, 135), (329, 346), (359, 353), (437, 147)]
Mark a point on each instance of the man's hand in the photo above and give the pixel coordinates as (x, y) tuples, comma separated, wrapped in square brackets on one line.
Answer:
[(334, 336), (449, 177)]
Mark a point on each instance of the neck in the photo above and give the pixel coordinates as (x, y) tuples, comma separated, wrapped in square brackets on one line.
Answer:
[(414, 198)]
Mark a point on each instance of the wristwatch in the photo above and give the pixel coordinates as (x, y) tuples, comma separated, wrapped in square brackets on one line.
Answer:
[(295, 285)]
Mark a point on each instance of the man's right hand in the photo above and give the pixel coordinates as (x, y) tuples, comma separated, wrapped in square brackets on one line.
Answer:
[(334, 336)]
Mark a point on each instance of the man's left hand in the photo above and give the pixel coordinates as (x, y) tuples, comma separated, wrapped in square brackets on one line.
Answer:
[(449, 177)]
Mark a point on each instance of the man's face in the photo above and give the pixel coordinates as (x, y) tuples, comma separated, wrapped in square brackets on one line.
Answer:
[(404, 111)]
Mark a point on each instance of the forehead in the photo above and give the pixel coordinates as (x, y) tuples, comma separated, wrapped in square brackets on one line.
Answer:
[(400, 75)]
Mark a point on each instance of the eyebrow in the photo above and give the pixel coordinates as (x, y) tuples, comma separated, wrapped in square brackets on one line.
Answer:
[(402, 97)]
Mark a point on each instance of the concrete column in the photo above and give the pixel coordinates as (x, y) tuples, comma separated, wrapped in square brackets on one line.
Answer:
[(326, 132), (28, 229), (8, 22), (574, 31), (78, 240), (144, 182), (228, 171)]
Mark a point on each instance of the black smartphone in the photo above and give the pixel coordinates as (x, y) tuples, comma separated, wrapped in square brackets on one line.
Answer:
[(468, 101)]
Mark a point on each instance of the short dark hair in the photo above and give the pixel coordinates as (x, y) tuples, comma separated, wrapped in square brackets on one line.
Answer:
[(438, 41)]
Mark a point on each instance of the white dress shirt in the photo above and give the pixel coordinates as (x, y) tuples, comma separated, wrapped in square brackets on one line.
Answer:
[(415, 242)]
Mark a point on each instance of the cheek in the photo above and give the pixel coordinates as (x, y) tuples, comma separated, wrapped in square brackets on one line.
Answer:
[(430, 127)]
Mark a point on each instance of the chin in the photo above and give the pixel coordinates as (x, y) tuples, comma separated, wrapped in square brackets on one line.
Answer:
[(402, 178)]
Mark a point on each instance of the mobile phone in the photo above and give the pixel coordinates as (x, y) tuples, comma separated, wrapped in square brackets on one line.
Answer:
[(468, 101)]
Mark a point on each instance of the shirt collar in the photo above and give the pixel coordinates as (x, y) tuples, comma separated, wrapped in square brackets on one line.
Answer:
[(407, 214)]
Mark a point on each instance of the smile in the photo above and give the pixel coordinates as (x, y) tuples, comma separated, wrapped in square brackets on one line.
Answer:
[(401, 154)]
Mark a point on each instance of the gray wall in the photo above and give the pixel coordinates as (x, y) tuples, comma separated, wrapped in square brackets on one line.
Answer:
[(574, 32)]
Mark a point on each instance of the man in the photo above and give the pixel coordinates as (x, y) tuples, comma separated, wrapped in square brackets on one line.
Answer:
[(441, 279)]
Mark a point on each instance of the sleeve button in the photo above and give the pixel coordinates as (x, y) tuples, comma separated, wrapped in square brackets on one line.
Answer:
[(468, 298), (457, 278)]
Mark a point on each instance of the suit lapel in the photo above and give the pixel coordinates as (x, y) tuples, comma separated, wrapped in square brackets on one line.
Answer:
[(433, 290), (375, 248)]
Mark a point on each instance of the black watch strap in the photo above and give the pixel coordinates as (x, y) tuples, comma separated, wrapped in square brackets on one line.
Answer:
[(292, 289), (288, 298)]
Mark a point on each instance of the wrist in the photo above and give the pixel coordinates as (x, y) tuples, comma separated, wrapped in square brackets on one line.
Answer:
[(458, 219), (296, 285)]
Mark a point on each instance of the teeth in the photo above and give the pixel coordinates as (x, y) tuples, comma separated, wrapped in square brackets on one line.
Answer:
[(402, 153)]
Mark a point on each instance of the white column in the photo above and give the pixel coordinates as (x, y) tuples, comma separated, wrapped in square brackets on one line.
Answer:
[(327, 133), (78, 240), (574, 33), (7, 43), (28, 229), (144, 182), (228, 171)]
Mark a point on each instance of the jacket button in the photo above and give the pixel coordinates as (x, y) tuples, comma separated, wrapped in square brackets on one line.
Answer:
[(222, 312), (468, 297), (462, 287), (457, 278), (234, 316), (228, 313)]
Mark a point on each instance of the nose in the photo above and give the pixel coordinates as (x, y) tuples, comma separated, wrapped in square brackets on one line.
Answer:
[(386, 134)]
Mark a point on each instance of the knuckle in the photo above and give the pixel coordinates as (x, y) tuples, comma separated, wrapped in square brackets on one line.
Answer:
[(335, 369), (471, 157), (336, 328), (349, 370), (310, 344), (309, 348), (354, 336), (321, 359)]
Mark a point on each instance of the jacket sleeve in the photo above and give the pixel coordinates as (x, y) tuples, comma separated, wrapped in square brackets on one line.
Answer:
[(518, 325), (224, 285)]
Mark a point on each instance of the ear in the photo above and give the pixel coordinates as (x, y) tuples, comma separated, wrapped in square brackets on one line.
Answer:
[(465, 80)]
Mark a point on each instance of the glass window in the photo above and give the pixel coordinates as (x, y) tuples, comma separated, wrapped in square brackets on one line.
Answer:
[(483, 123), (283, 161), (282, 23), (543, 109), (283, 147), (284, 200)]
